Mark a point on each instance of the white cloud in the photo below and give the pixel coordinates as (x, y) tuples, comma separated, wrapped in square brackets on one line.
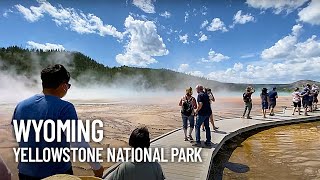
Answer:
[(277, 5), (183, 67), (217, 25), (44, 47), (240, 18), (196, 73), (144, 43), (186, 17), (291, 61), (184, 39), (308, 49), (204, 10), (204, 24), (215, 57), (145, 5), (6, 12), (166, 14), (229, 75), (70, 18), (311, 13), (284, 72), (247, 55), (284, 46), (33, 14), (238, 66), (203, 38)]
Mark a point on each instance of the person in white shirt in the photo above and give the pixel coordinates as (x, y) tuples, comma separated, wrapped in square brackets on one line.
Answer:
[(296, 99)]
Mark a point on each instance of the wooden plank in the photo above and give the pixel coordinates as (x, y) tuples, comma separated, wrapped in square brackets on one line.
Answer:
[(227, 129)]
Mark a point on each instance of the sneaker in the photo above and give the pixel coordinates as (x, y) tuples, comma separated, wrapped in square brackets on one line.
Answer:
[(215, 127), (190, 138), (185, 139), (197, 144), (208, 143), (249, 117)]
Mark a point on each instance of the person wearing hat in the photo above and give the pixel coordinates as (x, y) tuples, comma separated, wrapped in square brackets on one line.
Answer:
[(188, 105), (264, 101), (248, 101), (273, 95)]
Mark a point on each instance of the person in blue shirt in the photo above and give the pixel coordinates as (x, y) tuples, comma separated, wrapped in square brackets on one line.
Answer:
[(273, 95), (48, 105)]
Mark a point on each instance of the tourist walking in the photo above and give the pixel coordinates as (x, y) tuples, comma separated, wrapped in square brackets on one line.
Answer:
[(264, 101), (188, 105), (273, 95), (247, 101)]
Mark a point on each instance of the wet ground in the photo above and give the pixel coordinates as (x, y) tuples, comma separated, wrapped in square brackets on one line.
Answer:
[(284, 152)]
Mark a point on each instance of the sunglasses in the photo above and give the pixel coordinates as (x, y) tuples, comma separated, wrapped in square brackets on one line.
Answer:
[(69, 85)]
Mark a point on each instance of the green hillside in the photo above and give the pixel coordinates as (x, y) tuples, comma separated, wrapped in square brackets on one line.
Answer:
[(87, 71)]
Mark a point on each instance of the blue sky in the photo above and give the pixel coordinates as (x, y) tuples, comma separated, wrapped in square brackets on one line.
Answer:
[(247, 41)]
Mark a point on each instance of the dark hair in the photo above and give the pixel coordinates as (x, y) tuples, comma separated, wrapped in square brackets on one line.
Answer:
[(139, 138), (296, 89), (264, 90), (52, 76)]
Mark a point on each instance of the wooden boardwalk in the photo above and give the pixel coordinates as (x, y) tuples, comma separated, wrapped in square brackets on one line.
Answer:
[(227, 129)]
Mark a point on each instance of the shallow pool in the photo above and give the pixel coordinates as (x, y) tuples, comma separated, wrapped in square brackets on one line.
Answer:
[(285, 152)]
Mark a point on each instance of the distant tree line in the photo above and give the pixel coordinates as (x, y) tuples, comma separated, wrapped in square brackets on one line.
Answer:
[(85, 70)]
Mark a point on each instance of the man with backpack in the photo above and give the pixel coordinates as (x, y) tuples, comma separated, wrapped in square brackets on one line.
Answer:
[(188, 105), (248, 101)]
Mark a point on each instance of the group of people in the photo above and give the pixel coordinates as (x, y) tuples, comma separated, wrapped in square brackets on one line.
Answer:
[(199, 108), (268, 101), (308, 99)]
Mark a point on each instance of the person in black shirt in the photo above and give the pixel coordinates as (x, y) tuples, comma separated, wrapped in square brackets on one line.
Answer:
[(204, 112)]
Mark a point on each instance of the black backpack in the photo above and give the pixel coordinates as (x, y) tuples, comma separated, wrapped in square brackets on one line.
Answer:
[(187, 107), (246, 97)]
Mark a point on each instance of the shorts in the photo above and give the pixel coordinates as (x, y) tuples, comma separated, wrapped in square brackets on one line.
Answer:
[(272, 104), (185, 120), (265, 105), (297, 104), (305, 103)]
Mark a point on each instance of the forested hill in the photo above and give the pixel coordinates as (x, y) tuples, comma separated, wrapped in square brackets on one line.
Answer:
[(86, 71)]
